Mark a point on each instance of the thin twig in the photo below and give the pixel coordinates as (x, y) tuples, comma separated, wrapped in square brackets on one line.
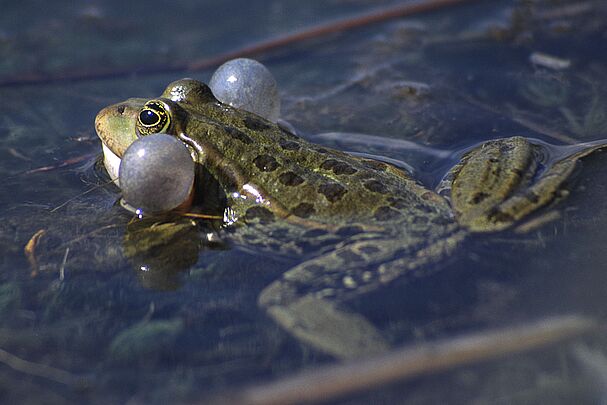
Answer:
[(39, 370), (347, 24), (65, 163), (88, 235), (95, 187), (325, 383), (201, 216), (62, 267), (334, 27)]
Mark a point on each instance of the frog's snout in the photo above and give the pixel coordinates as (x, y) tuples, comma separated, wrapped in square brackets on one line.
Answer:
[(102, 122), (115, 126)]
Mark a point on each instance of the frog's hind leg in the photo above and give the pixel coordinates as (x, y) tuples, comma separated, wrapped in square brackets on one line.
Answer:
[(308, 300), (305, 301), (502, 181)]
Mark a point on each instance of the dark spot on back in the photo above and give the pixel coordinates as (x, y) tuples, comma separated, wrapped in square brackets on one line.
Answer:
[(255, 124), (279, 233), (303, 210), (321, 150), (376, 186), (479, 197), (332, 191), (304, 245), (265, 163), (349, 230), (369, 250), (328, 164), (397, 202), (424, 208), (349, 256), (386, 213), (263, 214), (440, 220), (290, 179), (237, 134), (314, 233), (288, 145), (337, 167), (344, 168), (498, 216)]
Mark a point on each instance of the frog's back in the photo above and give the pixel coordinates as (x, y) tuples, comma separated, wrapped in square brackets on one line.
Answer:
[(314, 182)]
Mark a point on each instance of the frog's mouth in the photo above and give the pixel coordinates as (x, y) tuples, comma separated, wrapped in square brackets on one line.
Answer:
[(115, 126), (111, 161)]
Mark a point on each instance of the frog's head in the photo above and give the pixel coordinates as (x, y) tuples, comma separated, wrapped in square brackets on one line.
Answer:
[(120, 124)]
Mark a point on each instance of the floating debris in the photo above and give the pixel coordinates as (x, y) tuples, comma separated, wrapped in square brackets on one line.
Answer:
[(30, 251), (62, 267), (549, 61)]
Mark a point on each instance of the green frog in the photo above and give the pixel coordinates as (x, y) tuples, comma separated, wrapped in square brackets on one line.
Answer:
[(367, 222)]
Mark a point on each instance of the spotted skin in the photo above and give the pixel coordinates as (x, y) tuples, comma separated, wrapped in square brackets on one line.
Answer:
[(364, 222)]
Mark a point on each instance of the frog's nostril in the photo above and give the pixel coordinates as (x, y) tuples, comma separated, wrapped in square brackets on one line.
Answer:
[(120, 109)]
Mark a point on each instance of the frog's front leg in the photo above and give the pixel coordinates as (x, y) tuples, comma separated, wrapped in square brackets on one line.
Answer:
[(504, 180)]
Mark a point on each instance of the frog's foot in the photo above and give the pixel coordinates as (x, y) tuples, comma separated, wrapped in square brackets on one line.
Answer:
[(323, 325), (504, 180)]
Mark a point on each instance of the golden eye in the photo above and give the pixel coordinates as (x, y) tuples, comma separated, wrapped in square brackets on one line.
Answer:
[(153, 118), (149, 118)]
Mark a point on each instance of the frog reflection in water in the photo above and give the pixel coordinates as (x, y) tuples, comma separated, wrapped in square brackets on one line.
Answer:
[(367, 221)]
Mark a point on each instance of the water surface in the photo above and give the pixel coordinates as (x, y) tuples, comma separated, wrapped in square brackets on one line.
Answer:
[(446, 80)]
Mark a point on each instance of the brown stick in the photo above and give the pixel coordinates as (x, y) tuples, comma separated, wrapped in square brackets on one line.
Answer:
[(327, 29), (319, 31), (65, 163), (325, 383)]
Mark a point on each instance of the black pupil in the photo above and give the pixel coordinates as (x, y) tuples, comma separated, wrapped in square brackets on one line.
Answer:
[(149, 117)]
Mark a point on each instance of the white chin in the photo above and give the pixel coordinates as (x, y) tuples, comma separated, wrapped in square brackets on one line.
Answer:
[(112, 164)]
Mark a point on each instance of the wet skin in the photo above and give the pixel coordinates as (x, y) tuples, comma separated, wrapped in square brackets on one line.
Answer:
[(367, 222)]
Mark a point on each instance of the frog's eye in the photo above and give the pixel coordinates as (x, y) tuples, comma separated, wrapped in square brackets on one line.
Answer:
[(153, 118)]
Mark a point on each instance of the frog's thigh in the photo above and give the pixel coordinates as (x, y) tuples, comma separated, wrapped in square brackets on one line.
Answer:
[(502, 181)]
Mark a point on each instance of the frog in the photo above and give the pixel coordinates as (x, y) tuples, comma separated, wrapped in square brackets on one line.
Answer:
[(364, 223)]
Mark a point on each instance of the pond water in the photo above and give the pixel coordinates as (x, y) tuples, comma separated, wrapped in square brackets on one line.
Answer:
[(418, 90)]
